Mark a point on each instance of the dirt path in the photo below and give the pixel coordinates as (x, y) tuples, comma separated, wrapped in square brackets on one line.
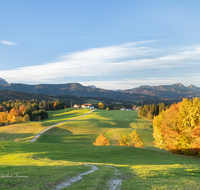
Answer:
[(77, 178), (116, 182), (113, 184), (37, 135)]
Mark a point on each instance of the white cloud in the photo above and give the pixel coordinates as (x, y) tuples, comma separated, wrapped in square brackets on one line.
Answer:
[(8, 43), (132, 83), (112, 60)]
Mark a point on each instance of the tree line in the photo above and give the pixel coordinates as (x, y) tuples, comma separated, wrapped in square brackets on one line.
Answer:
[(151, 110), (15, 111)]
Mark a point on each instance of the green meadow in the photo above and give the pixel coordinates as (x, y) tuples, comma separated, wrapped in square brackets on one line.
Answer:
[(62, 152), (26, 131)]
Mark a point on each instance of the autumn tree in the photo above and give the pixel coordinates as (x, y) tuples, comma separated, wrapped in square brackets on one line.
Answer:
[(101, 105), (123, 141), (3, 117), (22, 109), (101, 141), (178, 128), (135, 140)]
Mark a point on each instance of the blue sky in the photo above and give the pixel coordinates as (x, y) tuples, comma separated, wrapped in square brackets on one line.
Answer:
[(113, 44)]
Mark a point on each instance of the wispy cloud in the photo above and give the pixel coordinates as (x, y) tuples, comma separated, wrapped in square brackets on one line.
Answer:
[(8, 43), (111, 61), (132, 83)]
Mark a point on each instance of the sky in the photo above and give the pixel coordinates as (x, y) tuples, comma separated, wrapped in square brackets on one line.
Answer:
[(112, 44)]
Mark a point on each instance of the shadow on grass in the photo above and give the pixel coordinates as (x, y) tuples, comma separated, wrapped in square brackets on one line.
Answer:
[(85, 139), (96, 154), (16, 136)]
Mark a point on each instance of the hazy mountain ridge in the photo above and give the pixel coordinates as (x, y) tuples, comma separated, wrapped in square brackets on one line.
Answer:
[(167, 91), (74, 89), (144, 92), (3, 81)]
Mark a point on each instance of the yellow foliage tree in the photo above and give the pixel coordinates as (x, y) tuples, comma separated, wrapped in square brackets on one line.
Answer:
[(3, 117), (124, 141), (135, 140), (101, 141), (101, 105), (107, 108)]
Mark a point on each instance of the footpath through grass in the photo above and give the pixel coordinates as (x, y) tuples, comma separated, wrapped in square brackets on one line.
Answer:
[(26, 131)]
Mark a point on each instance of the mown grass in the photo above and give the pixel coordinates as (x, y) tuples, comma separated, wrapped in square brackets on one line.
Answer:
[(26, 131)]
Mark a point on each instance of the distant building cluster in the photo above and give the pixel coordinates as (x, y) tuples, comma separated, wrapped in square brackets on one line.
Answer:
[(90, 106)]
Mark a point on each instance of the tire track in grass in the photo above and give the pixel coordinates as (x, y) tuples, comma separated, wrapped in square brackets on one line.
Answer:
[(77, 178), (36, 136), (115, 183)]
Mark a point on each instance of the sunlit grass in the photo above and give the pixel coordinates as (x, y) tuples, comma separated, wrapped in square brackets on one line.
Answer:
[(111, 123), (26, 131), (140, 168), (70, 146)]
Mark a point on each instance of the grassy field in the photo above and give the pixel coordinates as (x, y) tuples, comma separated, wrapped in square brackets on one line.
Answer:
[(111, 123), (26, 131), (47, 164), (63, 151)]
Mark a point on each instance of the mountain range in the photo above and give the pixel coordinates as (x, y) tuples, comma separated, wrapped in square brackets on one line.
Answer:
[(75, 89), (167, 91)]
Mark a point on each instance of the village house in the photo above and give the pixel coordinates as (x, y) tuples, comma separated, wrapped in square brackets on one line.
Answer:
[(77, 106), (90, 106)]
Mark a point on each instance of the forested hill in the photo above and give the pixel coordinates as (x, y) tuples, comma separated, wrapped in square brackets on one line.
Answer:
[(74, 89), (167, 91)]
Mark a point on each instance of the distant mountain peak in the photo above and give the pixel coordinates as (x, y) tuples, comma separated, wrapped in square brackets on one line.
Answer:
[(192, 86), (3, 81), (179, 84)]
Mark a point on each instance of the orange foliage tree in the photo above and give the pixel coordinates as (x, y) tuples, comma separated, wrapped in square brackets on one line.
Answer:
[(178, 128)]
